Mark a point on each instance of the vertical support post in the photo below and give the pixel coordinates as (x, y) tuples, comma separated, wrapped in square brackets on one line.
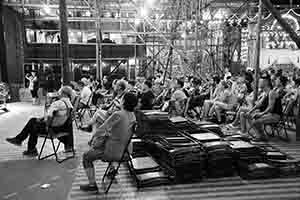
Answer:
[(3, 67), (99, 70), (257, 46), (135, 62), (298, 119), (128, 70), (64, 44)]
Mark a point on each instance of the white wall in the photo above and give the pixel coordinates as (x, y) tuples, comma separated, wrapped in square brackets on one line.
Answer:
[(279, 56)]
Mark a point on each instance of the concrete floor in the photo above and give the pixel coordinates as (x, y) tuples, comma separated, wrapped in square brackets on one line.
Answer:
[(22, 177)]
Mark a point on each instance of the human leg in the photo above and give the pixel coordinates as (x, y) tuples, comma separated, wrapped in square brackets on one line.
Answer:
[(238, 115), (258, 124), (24, 133), (206, 107), (88, 158)]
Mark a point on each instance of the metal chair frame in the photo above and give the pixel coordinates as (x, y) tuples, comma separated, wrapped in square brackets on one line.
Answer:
[(51, 135), (125, 152)]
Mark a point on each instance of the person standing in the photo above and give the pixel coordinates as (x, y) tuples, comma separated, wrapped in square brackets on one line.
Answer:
[(33, 87)]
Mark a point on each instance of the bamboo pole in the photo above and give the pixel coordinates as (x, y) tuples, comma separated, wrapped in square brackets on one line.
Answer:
[(99, 70), (64, 44), (3, 67), (257, 57)]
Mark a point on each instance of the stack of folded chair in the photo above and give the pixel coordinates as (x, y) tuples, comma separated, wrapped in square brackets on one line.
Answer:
[(246, 151), (236, 137), (286, 165), (219, 159), (210, 126), (138, 147), (150, 121), (271, 153), (257, 170), (181, 156), (204, 137), (147, 172), (250, 161)]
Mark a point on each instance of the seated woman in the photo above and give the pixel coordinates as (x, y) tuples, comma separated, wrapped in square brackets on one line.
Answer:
[(234, 99), (219, 94), (37, 126), (109, 139)]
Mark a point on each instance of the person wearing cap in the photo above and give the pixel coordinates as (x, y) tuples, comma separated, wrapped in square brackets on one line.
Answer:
[(35, 126)]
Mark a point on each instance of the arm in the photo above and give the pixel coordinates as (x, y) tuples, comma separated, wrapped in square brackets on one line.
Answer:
[(258, 104), (272, 98), (110, 122)]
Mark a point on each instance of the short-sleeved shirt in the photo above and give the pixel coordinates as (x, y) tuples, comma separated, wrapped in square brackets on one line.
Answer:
[(178, 95), (61, 107)]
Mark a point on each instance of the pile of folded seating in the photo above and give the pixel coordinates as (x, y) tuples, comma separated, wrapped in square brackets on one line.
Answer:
[(250, 161), (219, 159), (138, 147), (183, 125), (183, 158), (147, 172), (210, 126), (246, 151), (219, 154), (286, 165), (151, 121)]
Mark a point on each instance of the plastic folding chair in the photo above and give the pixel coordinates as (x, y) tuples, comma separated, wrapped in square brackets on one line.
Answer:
[(124, 158), (51, 135)]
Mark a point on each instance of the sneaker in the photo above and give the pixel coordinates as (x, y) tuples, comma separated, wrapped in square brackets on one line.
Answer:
[(89, 188), (31, 153), (14, 141)]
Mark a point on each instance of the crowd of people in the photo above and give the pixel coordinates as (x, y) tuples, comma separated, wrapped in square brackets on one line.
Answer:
[(212, 99)]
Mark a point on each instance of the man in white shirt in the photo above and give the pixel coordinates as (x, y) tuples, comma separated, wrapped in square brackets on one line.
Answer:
[(57, 114), (85, 94)]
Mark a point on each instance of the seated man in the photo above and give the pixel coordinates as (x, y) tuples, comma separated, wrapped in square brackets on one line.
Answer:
[(37, 126), (85, 93), (270, 107), (109, 140), (146, 98)]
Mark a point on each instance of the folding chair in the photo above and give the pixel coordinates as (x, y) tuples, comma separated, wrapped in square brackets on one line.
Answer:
[(281, 125), (51, 135), (124, 158), (79, 114)]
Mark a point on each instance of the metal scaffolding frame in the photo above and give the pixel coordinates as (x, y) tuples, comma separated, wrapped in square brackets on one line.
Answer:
[(164, 31)]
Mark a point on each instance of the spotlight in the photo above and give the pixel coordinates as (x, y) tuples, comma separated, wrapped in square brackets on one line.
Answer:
[(137, 21), (144, 12), (150, 2)]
